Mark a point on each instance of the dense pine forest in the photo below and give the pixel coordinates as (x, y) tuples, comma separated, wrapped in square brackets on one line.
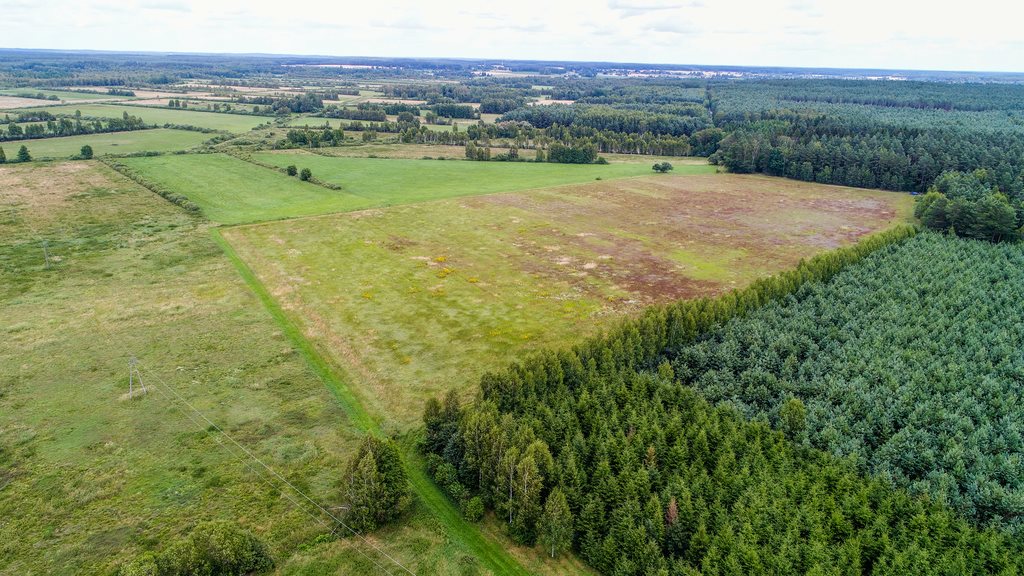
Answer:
[(858, 412)]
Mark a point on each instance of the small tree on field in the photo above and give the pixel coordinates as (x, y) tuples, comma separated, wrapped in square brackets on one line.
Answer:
[(291, 170), (305, 174), (376, 490), (662, 167), (86, 152), (23, 155), (3, 157)]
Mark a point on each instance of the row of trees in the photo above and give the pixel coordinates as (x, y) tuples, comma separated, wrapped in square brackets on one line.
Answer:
[(609, 119), (58, 127)]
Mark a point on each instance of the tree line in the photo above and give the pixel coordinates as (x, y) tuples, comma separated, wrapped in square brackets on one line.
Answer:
[(617, 450), (58, 127)]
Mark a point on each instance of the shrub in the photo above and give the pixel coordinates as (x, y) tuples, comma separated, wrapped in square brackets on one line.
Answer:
[(291, 170), (86, 152), (213, 548), (305, 174), (473, 509)]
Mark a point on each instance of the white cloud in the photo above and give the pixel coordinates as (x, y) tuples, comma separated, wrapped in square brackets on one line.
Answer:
[(982, 35)]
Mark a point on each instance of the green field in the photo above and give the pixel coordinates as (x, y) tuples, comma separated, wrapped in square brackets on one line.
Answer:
[(232, 191), (314, 122), (90, 478), (159, 140), (415, 300), (403, 181), (62, 94), (162, 116)]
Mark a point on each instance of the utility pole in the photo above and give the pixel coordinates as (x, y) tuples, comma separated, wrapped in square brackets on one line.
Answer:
[(134, 377)]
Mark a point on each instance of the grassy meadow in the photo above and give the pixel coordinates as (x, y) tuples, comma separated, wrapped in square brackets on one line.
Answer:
[(411, 301), (162, 116), (90, 478), (392, 182), (158, 140), (232, 191)]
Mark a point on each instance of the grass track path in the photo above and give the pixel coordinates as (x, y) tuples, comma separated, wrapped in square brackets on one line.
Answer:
[(490, 554)]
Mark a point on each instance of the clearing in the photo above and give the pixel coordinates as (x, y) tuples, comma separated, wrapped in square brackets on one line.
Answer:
[(419, 299)]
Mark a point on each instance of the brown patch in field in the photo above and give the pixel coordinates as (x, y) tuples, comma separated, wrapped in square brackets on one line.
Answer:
[(11, 102), (45, 187), (744, 225)]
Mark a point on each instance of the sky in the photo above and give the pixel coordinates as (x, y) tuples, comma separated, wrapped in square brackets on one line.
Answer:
[(897, 34)]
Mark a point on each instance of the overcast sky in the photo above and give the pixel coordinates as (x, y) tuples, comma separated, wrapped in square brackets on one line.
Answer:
[(974, 35)]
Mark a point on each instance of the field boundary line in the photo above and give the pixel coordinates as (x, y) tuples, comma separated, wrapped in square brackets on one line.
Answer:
[(491, 554)]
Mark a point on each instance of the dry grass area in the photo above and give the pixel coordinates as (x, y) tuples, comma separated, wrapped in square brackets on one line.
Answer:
[(12, 102), (418, 299)]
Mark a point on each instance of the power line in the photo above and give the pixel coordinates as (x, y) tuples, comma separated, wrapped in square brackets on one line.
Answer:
[(134, 363), (283, 479), (134, 371)]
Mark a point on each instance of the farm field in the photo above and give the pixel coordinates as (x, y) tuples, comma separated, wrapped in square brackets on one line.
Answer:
[(90, 478), (98, 477), (314, 122), (161, 116), (158, 140), (65, 95), (419, 151), (232, 191), (394, 182), (12, 102), (418, 299)]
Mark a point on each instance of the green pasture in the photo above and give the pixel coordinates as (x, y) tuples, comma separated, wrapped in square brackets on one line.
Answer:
[(391, 182), (159, 140), (232, 191), (162, 115)]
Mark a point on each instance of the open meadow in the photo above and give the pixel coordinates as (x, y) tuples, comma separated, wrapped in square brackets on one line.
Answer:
[(412, 301), (158, 140), (161, 116), (89, 477), (231, 191)]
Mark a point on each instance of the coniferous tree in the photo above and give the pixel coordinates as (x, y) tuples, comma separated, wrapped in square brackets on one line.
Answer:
[(23, 155), (376, 489)]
